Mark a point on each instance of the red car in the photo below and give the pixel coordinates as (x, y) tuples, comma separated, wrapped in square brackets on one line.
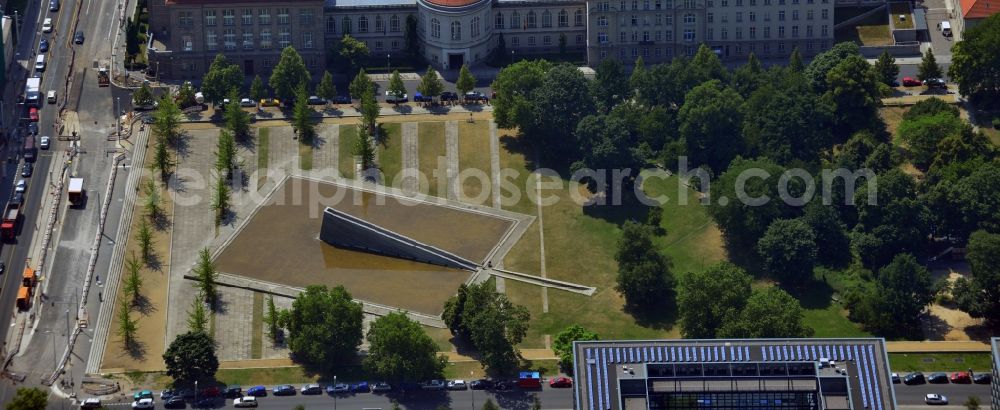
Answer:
[(960, 377), (911, 82), (561, 381), (33, 114)]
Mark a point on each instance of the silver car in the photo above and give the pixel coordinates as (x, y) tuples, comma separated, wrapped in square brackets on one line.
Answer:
[(933, 398)]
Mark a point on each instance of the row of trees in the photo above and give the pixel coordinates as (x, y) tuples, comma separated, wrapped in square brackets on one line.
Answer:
[(491, 323)]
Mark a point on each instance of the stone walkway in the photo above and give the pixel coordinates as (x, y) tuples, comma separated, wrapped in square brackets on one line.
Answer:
[(233, 325), (451, 149), (411, 179), (327, 148)]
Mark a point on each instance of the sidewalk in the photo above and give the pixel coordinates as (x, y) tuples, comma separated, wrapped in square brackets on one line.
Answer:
[(453, 357), (936, 347), (348, 111)]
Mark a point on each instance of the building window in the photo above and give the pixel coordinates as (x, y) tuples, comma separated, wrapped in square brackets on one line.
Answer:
[(602, 37), (739, 49), (670, 35), (268, 63), (546, 19), (781, 31), (211, 40), (795, 14), (578, 18), (515, 20), (547, 40), (184, 19), (753, 32), (435, 28), (710, 17), (708, 34), (767, 32), (767, 16), (658, 4), (689, 35), (579, 39), (767, 48), (563, 18), (657, 52), (498, 21), (635, 53), (781, 15), (739, 16), (395, 44), (602, 21), (187, 43), (689, 51), (474, 27), (531, 19), (362, 24), (229, 39), (825, 14), (265, 38), (621, 37), (307, 41), (645, 4), (264, 16), (621, 53), (689, 18), (247, 40), (379, 26), (283, 16), (247, 17), (209, 17), (229, 17), (689, 4), (284, 37), (331, 25), (635, 4), (346, 26), (810, 14), (809, 46), (725, 3), (603, 6), (516, 41), (795, 31), (531, 41), (456, 30), (378, 45), (752, 16), (307, 17), (635, 20), (739, 33), (781, 47), (724, 33), (394, 24), (824, 30), (659, 35)]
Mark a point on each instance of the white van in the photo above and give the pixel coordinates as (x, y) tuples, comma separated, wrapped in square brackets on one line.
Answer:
[(51, 97), (40, 62), (945, 27)]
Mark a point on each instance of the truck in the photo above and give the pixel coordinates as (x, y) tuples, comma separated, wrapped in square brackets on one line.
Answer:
[(32, 92), (28, 282), (75, 191), (102, 77), (8, 228)]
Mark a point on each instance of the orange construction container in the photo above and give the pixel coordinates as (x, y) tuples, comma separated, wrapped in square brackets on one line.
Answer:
[(29, 278), (23, 297)]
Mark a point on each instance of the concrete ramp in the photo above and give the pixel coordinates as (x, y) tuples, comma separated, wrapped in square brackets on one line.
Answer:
[(345, 231)]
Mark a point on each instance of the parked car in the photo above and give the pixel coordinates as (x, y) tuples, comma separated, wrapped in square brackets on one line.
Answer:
[(418, 97), (53, 5), (561, 381), (145, 403), (381, 387), (339, 388), (47, 25), (3, 267), (27, 170), (457, 385), (395, 98), (43, 45), (960, 377), (246, 102), (934, 398), (206, 403), (936, 83), (914, 378), (210, 391), (270, 102), (33, 114), (361, 387), (187, 394), (982, 378), (911, 82), (475, 96), (20, 188), (248, 401), (895, 378), (481, 384), (45, 142), (257, 391), (434, 385), (175, 402), (341, 99), (91, 403), (233, 391), (32, 128), (448, 96), (78, 37), (144, 394), (938, 378), (314, 100), (311, 389), (283, 390)]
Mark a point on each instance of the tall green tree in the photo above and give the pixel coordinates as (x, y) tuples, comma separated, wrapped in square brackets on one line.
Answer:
[(983, 254), (364, 149), (974, 61), (644, 276), (131, 39), (162, 161), (490, 405), (370, 111), (396, 86), (430, 85), (610, 85), (153, 203), (142, 96), (360, 84), (852, 89), (399, 350), (221, 80), (831, 233), (453, 310), (493, 324), (705, 298), (145, 238), (748, 77), (795, 61), (923, 134), (886, 68), (197, 320), (928, 67), (515, 86), (638, 78), (607, 145), (324, 327), (237, 120), (28, 398), (206, 275), (272, 319), (706, 66), (710, 125), (788, 124), (221, 196), (892, 305), (896, 222), (466, 81), (788, 250), (288, 74), (167, 119), (824, 62), (225, 153), (563, 343), (258, 90), (562, 100), (352, 51), (191, 357), (132, 284), (769, 313), (325, 89), (746, 213), (302, 114), (127, 326)]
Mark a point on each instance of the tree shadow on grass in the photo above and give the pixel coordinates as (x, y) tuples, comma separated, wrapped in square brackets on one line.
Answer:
[(660, 317), (153, 261), (815, 294), (136, 349), (143, 305), (517, 145), (160, 221)]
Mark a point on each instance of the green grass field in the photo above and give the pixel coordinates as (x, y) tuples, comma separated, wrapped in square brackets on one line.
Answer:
[(431, 148), (474, 162), (305, 157), (348, 135), (939, 362), (390, 154), (257, 326), (263, 150)]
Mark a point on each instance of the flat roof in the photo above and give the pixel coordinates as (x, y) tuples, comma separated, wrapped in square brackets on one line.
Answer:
[(331, 4), (722, 373)]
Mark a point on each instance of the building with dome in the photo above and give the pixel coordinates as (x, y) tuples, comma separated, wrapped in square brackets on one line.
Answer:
[(449, 33)]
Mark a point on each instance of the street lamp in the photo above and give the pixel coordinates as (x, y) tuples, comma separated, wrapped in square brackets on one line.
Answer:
[(387, 65), (471, 374), (196, 392), (335, 395)]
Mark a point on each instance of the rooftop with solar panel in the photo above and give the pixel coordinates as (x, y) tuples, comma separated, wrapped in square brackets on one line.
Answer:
[(815, 374)]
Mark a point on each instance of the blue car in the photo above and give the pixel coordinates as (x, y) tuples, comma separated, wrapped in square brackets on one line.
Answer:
[(361, 387), (257, 391), (43, 45)]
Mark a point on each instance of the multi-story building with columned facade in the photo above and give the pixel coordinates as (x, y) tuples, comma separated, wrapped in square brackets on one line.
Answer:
[(451, 33)]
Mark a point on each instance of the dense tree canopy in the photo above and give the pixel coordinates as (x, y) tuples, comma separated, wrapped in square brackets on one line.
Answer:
[(610, 85), (560, 103), (788, 250), (787, 124), (325, 327), (975, 63), (742, 217), (28, 398), (710, 123), (563, 342), (494, 325), (896, 222), (922, 135), (983, 292), (768, 313), (288, 74), (644, 276), (221, 79), (852, 89), (515, 87), (824, 62), (892, 304), (191, 357), (400, 350), (706, 298)]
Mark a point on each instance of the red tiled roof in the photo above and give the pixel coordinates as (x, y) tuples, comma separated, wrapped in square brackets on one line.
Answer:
[(452, 3), (979, 9)]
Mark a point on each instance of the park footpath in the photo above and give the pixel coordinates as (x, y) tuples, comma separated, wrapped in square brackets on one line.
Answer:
[(211, 114)]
